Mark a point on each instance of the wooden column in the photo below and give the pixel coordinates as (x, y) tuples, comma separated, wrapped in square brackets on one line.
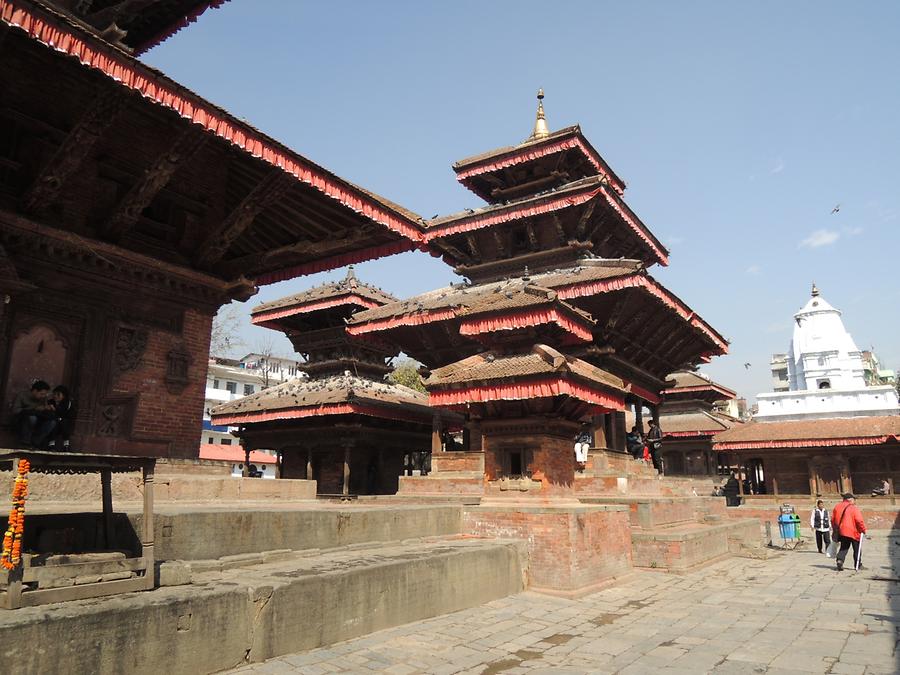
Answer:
[(309, 466), (475, 437), (639, 416), (246, 472), (813, 478), (845, 469), (147, 533), (345, 490), (106, 491), (598, 423), (740, 476), (436, 429)]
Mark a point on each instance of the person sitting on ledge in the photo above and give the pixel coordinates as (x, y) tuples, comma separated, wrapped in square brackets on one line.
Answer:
[(33, 416), (884, 489), (634, 443), (583, 445), (64, 415)]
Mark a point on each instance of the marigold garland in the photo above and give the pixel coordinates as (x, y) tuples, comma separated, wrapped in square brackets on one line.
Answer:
[(12, 540)]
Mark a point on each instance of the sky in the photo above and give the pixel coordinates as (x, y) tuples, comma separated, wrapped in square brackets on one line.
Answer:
[(738, 127)]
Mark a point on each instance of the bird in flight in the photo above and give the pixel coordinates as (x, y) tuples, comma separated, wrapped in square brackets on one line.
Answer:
[(836, 209), (747, 366)]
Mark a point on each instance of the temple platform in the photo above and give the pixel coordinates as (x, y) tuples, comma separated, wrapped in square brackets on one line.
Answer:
[(243, 614)]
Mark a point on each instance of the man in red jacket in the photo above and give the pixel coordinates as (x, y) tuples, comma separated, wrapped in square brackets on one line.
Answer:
[(849, 528)]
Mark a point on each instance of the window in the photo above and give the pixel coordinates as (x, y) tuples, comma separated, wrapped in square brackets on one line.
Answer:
[(231, 386), (248, 389), (515, 463), (226, 441), (215, 384), (824, 384), (210, 440)]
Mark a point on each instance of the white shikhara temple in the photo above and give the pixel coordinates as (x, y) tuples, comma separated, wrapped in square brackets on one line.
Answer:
[(825, 372)]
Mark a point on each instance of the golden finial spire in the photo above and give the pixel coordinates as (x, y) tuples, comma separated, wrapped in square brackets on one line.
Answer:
[(540, 124), (815, 290)]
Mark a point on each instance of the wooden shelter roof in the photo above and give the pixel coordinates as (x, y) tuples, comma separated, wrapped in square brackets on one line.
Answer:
[(203, 190), (837, 431)]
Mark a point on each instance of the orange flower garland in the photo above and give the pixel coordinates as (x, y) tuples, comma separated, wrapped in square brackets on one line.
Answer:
[(12, 540)]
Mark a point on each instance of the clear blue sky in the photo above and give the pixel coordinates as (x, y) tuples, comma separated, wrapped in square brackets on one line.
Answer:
[(737, 126)]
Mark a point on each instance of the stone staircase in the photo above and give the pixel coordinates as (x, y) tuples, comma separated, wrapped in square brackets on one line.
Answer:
[(671, 527)]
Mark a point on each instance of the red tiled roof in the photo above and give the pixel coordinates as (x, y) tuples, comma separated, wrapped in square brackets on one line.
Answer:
[(837, 431), (233, 453)]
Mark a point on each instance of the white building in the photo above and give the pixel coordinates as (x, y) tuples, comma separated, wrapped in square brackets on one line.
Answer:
[(825, 372), (230, 379)]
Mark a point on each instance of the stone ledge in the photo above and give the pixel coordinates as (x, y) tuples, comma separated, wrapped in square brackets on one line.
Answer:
[(252, 614)]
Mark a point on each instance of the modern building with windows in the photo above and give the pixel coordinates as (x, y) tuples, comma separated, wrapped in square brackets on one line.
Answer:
[(230, 379)]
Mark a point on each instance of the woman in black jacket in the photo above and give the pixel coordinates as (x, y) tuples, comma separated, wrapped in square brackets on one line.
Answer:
[(64, 412)]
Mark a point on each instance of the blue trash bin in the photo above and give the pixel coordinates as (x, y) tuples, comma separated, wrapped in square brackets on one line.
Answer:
[(786, 526)]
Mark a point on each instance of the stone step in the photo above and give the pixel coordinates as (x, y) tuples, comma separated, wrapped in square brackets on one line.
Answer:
[(681, 548), (654, 512), (202, 532), (228, 618)]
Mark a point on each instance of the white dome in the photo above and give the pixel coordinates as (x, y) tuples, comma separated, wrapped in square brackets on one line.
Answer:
[(822, 353)]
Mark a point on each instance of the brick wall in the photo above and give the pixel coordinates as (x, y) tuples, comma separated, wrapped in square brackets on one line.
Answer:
[(571, 549), (164, 416), (457, 461)]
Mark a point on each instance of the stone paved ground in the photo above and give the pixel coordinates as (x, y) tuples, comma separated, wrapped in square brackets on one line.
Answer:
[(790, 614)]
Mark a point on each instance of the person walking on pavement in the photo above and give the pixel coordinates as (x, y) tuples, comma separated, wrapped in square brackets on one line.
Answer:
[(820, 522), (849, 529)]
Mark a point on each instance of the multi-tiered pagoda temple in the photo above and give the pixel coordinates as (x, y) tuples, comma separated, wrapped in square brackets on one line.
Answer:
[(341, 425), (690, 419), (559, 321), (558, 324)]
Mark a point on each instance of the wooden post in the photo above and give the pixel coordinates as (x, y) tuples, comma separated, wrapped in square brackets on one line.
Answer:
[(148, 532), (246, 472), (346, 487), (773, 472), (598, 424), (309, 466), (437, 444), (106, 491), (639, 416)]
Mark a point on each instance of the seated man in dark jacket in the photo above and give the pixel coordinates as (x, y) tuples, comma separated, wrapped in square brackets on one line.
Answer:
[(33, 417)]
